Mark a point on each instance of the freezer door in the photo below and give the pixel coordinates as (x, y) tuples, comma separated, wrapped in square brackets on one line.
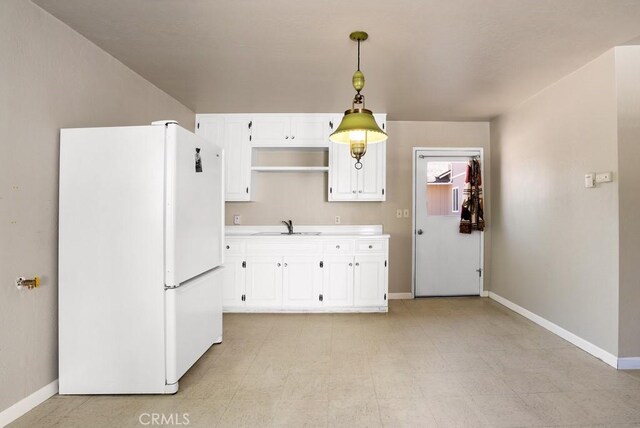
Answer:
[(193, 322), (195, 206)]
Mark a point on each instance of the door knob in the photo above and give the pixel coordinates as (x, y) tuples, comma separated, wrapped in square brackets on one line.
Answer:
[(420, 232)]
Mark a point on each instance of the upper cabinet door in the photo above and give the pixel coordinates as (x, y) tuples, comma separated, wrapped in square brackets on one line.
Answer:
[(343, 176), (237, 152), (310, 130), (231, 132), (270, 130), (372, 176)]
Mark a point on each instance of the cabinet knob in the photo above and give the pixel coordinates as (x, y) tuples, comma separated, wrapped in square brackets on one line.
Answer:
[(359, 191), (228, 247), (293, 137), (286, 137), (337, 247), (353, 191), (279, 265), (370, 246), (285, 265), (357, 264), (350, 264)]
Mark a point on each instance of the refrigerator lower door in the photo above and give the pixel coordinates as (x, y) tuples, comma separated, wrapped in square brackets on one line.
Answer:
[(193, 321)]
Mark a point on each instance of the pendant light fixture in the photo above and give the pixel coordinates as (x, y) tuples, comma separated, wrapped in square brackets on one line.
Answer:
[(358, 126)]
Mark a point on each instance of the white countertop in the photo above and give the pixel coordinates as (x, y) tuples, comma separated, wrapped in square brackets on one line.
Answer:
[(307, 231)]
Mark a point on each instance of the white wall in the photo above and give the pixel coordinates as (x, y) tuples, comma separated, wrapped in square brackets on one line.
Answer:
[(302, 197), (628, 90), (555, 243), (50, 77)]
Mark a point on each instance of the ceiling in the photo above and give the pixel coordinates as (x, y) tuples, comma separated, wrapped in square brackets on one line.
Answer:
[(424, 60)]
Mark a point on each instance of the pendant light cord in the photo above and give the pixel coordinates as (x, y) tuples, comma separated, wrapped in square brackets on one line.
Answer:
[(358, 55)]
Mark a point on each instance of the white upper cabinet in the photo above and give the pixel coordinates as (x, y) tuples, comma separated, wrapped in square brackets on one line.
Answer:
[(290, 130), (231, 132), (346, 183)]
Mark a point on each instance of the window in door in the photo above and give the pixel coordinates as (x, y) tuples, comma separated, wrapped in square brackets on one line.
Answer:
[(444, 181)]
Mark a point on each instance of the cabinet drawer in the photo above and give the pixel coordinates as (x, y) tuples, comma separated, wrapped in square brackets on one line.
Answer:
[(234, 248), (372, 246), (342, 246)]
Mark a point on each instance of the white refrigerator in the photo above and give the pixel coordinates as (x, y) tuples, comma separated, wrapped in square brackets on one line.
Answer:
[(140, 257)]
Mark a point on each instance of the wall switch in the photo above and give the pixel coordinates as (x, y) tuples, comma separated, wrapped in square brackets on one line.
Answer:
[(590, 180), (337, 219), (406, 213), (236, 219), (399, 213), (604, 177)]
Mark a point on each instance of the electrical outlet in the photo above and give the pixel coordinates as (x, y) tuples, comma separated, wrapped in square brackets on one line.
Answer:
[(399, 213), (406, 213), (337, 219), (236, 219), (604, 177)]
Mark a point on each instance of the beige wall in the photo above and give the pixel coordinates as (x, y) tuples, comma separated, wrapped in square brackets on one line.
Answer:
[(628, 85), (555, 243), (302, 197), (50, 77)]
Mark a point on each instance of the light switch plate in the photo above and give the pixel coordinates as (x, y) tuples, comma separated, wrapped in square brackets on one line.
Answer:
[(399, 213), (590, 180), (406, 213)]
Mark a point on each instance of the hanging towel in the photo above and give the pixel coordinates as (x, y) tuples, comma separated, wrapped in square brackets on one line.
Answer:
[(472, 212)]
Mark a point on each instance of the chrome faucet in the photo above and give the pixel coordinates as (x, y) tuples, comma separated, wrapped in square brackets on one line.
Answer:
[(289, 225)]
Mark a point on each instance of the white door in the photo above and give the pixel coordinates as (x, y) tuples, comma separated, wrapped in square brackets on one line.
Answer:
[(263, 282), (343, 176), (310, 130), (270, 130), (447, 262), (369, 286), (194, 205), (233, 281), (237, 153), (337, 281), (371, 177), (301, 281)]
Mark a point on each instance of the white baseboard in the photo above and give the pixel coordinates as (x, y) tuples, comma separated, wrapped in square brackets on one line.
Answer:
[(589, 347), (400, 296), (629, 363), (23, 406)]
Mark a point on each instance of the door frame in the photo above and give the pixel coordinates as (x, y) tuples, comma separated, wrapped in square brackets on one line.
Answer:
[(441, 151)]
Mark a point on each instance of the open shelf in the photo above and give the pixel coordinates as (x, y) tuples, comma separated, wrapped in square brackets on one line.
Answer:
[(290, 168)]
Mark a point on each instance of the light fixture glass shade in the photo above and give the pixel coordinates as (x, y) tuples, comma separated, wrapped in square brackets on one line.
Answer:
[(358, 124)]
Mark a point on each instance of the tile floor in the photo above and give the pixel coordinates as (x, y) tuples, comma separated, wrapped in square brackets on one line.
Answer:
[(449, 362)]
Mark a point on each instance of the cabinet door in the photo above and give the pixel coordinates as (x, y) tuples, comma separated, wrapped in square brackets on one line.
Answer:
[(271, 130), (370, 281), (233, 282), (310, 130), (237, 152), (264, 282), (337, 281), (301, 282), (211, 128), (372, 176), (342, 174)]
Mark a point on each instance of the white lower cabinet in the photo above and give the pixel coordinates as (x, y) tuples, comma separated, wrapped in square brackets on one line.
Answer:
[(301, 282), (263, 287), (370, 281), (337, 281), (233, 280), (308, 275)]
